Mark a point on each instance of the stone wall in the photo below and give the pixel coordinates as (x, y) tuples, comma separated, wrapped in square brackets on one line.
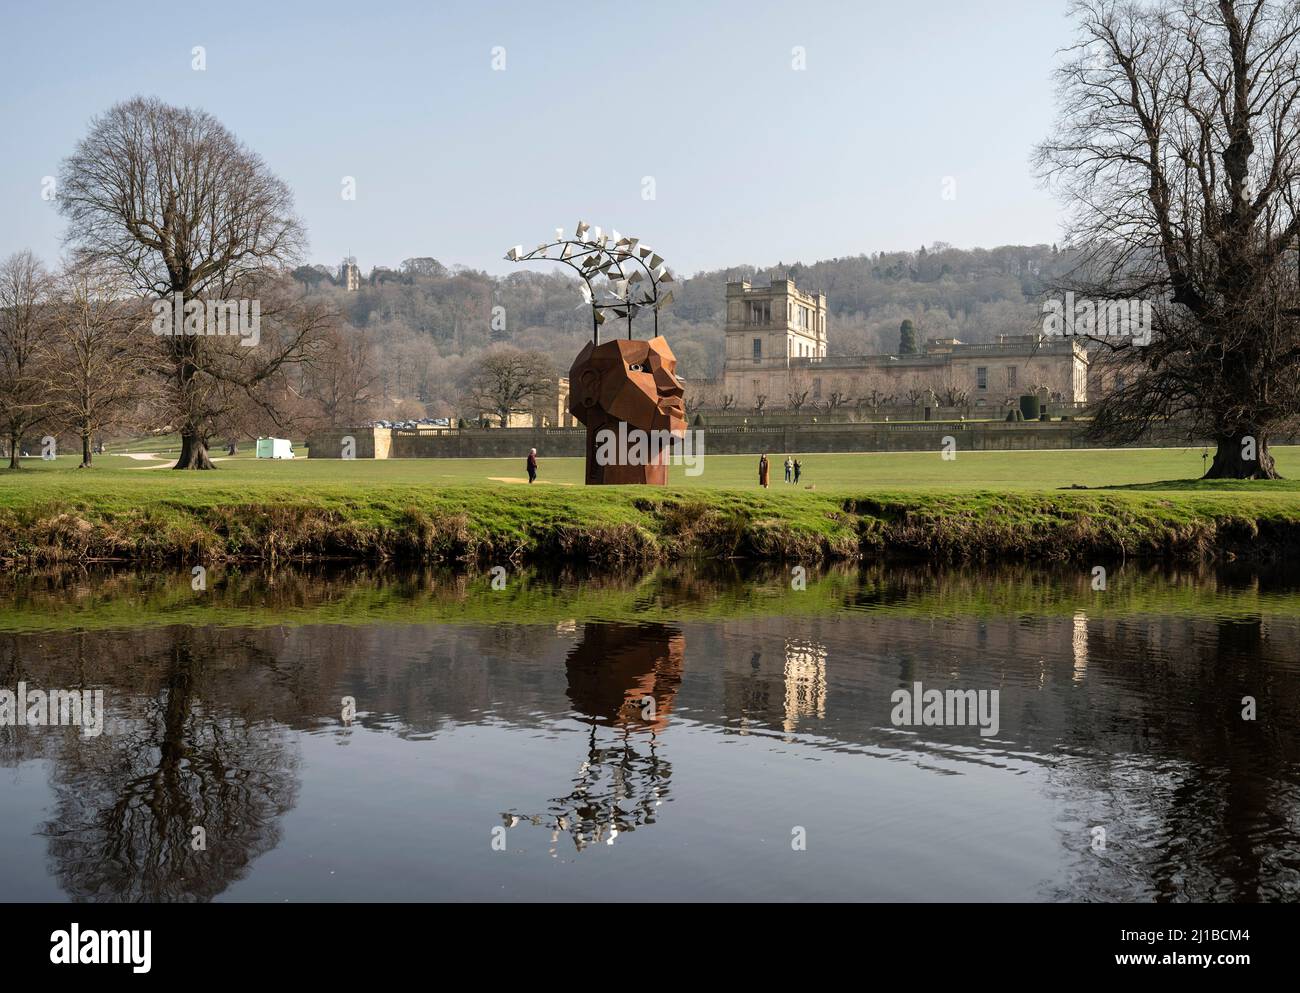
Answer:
[(889, 437), (494, 443), (748, 440), (370, 443)]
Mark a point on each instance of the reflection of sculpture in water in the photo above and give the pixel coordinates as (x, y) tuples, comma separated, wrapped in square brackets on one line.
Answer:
[(627, 394), (625, 677), (127, 803)]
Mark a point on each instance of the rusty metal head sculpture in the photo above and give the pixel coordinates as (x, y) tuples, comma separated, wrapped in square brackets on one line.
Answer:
[(628, 396), (626, 392)]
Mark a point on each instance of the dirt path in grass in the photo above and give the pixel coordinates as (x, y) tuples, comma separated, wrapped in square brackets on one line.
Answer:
[(519, 479)]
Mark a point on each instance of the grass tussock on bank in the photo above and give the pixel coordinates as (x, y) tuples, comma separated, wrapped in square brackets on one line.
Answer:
[(620, 526)]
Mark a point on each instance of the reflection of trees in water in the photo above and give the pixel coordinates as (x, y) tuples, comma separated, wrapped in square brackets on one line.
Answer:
[(1197, 803), (624, 677), (126, 803)]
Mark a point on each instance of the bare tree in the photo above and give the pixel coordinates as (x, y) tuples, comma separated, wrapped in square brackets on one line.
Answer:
[(24, 355), (507, 381), (168, 199), (447, 374), (101, 344), (917, 394), (875, 393), (949, 390), (797, 400), (341, 378), (699, 400), (1178, 150)]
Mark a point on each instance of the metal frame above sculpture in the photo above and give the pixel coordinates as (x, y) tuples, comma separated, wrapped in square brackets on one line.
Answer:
[(624, 390), (633, 271)]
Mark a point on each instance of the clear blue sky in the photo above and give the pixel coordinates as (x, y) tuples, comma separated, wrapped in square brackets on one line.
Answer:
[(753, 161)]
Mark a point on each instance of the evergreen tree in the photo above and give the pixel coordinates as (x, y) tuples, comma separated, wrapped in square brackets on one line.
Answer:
[(907, 339)]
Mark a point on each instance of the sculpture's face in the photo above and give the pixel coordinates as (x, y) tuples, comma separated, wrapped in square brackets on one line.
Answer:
[(631, 381), (616, 666)]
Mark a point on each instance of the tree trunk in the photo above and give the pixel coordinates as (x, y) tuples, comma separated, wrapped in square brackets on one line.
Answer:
[(1233, 458), (194, 445), (13, 452), (194, 453), (85, 450)]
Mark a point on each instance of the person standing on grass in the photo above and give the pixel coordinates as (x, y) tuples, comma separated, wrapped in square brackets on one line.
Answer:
[(763, 472), (532, 466), (788, 467), (798, 468)]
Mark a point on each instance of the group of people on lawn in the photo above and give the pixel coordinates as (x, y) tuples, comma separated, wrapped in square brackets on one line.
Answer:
[(793, 470)]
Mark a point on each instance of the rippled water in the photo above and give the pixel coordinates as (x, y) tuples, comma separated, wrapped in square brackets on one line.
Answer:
[(674, 736)]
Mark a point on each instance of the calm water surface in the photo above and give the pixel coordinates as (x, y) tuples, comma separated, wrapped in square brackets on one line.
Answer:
[(674, 736)]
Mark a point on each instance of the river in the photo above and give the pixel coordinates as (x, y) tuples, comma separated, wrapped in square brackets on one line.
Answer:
[(686, 734)]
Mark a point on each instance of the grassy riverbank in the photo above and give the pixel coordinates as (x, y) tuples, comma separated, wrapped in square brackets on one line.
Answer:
[(981, 507)]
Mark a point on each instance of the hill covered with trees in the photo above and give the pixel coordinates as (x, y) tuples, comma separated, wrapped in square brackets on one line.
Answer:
[(423, 324)]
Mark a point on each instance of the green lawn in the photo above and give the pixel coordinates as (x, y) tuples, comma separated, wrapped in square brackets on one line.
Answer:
[(118, 476), (1009, 505)]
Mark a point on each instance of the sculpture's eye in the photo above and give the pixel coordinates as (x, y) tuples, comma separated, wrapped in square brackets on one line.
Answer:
[(637, 367)]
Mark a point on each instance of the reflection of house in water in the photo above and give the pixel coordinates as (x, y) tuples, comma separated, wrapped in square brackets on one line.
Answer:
[(805, 682), (625, 677), (1080, 644), (763, 688)]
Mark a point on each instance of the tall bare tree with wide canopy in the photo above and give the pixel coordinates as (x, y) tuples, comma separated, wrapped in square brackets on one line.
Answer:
[(1178, 151), (170, 200)]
